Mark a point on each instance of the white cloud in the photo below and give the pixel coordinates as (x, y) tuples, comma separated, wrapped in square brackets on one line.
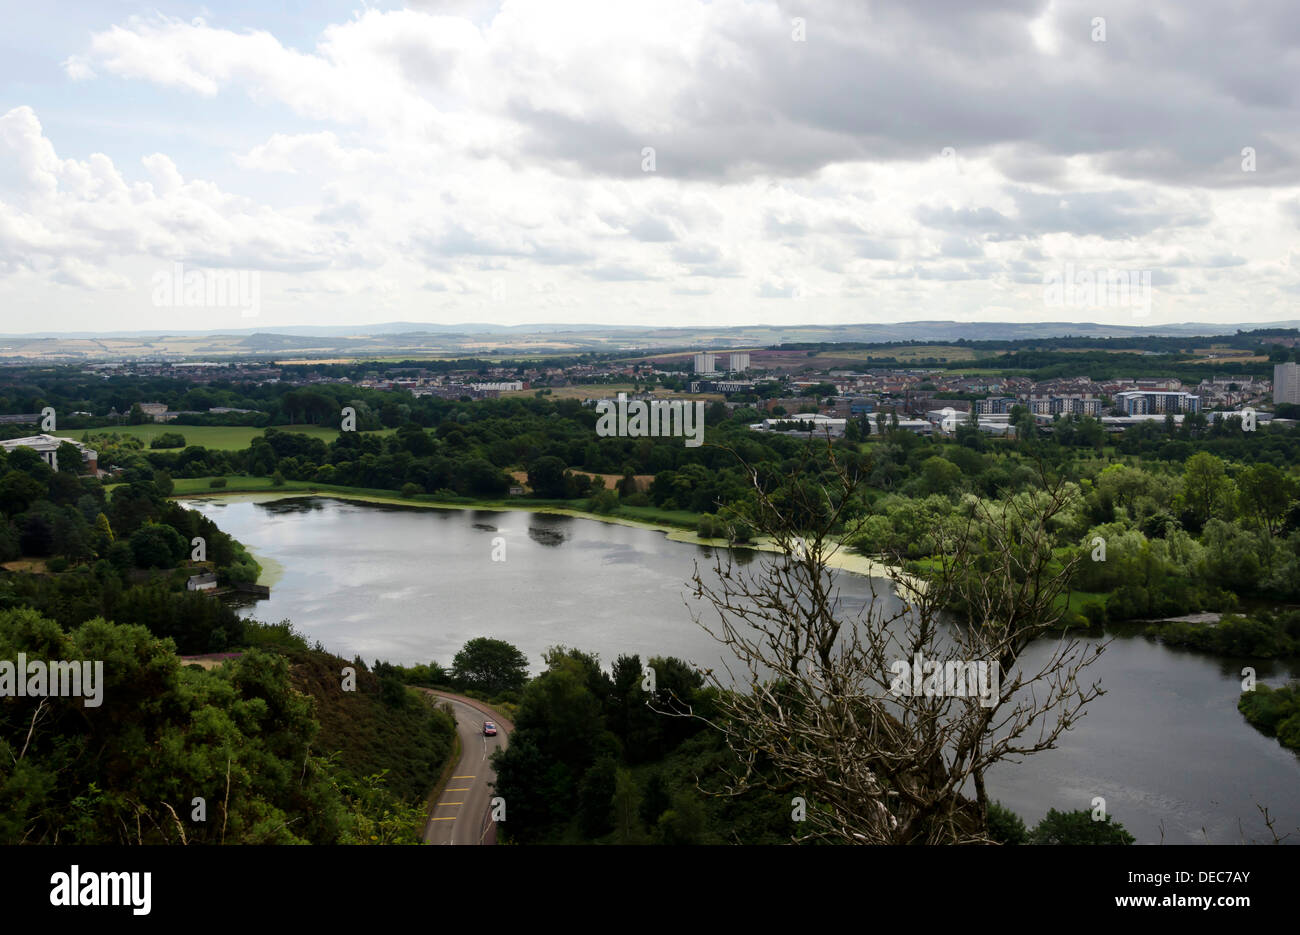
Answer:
[(418, 156)]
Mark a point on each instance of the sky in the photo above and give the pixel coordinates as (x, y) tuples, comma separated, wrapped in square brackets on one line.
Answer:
[(673, 162)]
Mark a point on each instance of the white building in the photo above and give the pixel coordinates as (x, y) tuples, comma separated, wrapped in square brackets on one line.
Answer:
[(706, 363), (47, 446), (203, 582), (1286, 383), (806, 421), (737, 363)]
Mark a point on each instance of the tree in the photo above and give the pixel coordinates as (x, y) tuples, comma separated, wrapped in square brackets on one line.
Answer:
[(684, 823), (1203, 486), (490, 666), (881, 759), (18, 491), (596, 797), (939, 475), (156, 545), (1078, 827), (37, 537), (546, 477), (1265, 493), (1005, 826), (68, 457), (168, 440), (627, 801)]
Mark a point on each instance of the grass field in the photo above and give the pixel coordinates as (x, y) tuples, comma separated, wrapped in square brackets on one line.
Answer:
[(217, 437)]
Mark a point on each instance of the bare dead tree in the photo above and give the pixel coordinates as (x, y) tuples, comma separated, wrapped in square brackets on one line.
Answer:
[(814, 705)]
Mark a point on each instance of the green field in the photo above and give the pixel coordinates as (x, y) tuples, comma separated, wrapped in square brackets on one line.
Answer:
[(217, 437)]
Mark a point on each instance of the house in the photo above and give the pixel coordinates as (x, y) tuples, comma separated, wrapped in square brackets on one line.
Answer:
[(47, 446), (205, 582)]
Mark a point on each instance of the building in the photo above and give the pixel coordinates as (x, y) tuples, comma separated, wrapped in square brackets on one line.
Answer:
[(807, 422), (737, 363), (47, 446), (706, 363), (204, 582), (722, 386), (1152, 402), (995, 405), (1286, 383)]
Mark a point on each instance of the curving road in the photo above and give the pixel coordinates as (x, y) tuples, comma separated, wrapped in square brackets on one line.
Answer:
[(463, 813)]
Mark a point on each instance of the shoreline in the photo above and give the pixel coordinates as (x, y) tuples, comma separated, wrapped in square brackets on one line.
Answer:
[(840, 559)]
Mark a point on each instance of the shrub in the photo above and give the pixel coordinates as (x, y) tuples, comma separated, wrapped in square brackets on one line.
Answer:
[(605, 502), (409, 490), (168, 440), (741, 532), (217, 482)]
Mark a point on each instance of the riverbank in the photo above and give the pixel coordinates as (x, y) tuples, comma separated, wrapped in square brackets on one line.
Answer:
[(840, 559)]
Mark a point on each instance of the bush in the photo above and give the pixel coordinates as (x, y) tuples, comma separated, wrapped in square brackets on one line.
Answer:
[(604, 502), (410, 490), (1095, 611), (277, 479), (217, 482), (741, 532), (168, 440)]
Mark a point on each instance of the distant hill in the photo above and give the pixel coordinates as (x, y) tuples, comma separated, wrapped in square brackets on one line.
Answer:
[(479, 339)]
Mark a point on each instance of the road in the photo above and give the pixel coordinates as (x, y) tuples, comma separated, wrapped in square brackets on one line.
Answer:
[(463, 813)]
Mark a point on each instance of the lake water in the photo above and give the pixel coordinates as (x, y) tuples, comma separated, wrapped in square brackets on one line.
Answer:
[(1165, 746)]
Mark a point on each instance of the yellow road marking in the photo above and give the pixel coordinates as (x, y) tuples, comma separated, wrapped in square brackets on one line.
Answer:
[(462, 777), (461, 789), (441, 804), (452, 818)]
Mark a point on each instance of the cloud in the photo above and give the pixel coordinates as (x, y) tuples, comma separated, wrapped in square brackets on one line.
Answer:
[(457, 141)]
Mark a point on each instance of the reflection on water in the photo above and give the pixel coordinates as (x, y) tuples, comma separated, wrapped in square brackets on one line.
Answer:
[(1165, 746)]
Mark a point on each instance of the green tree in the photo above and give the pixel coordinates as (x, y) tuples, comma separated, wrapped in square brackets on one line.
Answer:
[(157, 546), (685, 822), (1265, 493), (596, 797), (490, 666), (1078, 827), (1005, 826), (546, 477), (1203, 486)]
